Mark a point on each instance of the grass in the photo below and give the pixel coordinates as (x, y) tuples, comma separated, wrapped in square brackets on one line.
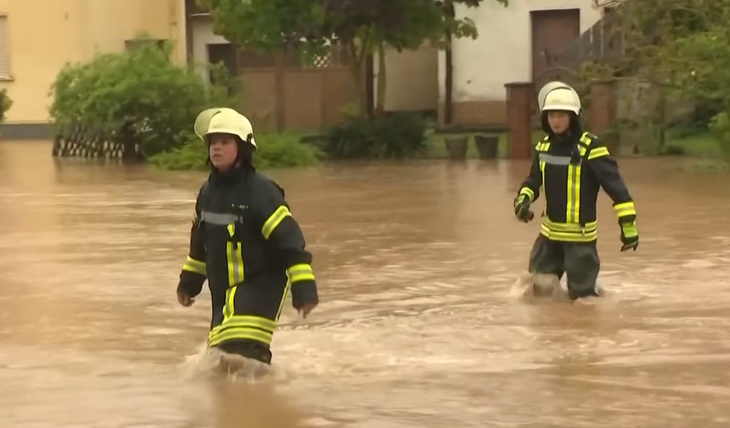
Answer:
[(698, 146), (704, 152)]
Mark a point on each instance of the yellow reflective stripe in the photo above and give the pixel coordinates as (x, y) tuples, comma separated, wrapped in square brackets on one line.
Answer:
[(300, 272), (625, 209), (542, 147), (195, 266), (243, 327), (254, 321), (273, 221), (542, 170), (240, 333), (234, 258), (598, 152), (569, 232), (569, 237), (569, 227), (228, 307), (287, 289), (237, 327), (231, 230), (528, 192), (572, 213)]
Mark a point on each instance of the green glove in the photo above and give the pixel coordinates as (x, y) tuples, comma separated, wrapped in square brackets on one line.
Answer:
[(629, 236), (522, 208)]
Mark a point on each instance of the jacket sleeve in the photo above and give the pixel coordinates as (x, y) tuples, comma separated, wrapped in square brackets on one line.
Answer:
[(194, 273), (282, 232), (531, 186), (605, 169)]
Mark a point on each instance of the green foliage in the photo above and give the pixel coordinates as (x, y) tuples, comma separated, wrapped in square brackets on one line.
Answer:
[(139, 92), (699, 67), (275, 151), (720, 129), (5, 104), (682, 48), (394, 136), (312, 27)]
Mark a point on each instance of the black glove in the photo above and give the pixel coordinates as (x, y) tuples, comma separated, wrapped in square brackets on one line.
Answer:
[(522, 208), (304, 296), (629, 236), (190, 285)]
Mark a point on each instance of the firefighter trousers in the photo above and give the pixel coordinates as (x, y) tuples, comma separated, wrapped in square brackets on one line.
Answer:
[(578, 260)]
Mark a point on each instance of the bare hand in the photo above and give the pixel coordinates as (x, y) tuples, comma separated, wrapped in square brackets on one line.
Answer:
[(306, 309), (184, 299)]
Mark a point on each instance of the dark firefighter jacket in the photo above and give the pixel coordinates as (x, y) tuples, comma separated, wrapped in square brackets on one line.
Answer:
[(571, 175), (245, 241)]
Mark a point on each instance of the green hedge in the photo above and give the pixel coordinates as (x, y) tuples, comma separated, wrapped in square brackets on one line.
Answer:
[(275, 151), (138, 94), (393, 136)]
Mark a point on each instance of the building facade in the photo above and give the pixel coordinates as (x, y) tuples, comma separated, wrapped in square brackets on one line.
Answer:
[(38, 37), (518, 43)]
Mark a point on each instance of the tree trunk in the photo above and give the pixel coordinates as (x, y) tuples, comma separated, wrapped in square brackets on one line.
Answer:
[(357, 57), (381, 82)]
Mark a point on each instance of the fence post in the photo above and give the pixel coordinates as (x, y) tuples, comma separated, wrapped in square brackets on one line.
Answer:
[(519, 119)]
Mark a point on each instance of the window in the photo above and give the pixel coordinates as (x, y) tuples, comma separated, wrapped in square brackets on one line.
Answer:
[(4, 49)]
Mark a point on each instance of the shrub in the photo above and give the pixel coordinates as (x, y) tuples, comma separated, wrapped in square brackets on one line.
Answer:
[(720, 129), (394, 136), (275, 151), (139, 94), (5, 104)]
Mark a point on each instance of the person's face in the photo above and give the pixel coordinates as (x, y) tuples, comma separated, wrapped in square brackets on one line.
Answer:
[(559, 121), (223, 151)]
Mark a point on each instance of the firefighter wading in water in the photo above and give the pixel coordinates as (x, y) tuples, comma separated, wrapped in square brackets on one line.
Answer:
[(571, 166), (245, 242)]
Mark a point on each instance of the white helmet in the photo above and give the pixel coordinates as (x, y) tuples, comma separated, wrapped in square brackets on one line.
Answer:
[(224, 121), (562, 98), (546, 90)]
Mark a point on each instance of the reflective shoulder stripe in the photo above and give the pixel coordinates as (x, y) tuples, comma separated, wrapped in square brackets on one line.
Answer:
[(274, 220), (584, 143), (543, 146), (598, 152), (593, 153)]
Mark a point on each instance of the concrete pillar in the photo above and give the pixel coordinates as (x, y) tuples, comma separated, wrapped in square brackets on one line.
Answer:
[(520, 98), (602, 114)]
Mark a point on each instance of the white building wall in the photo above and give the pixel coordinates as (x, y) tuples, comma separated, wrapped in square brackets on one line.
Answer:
[(503, 51), (202, 29)]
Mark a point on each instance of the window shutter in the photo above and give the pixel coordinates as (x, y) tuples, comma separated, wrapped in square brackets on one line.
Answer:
[(4, 57)]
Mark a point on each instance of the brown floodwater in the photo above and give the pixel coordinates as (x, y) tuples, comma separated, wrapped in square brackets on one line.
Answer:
[(416, 328)]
